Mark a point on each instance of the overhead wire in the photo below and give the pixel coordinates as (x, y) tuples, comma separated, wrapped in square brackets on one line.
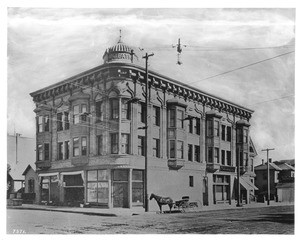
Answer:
[(242, 67), (271, 100)]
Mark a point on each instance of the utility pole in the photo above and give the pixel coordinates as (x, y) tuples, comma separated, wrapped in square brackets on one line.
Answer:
[(238, 172), (268, 171), (146, 136)]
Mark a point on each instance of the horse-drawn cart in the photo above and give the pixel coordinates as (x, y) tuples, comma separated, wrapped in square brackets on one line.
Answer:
[(185, 204), (181, 205)]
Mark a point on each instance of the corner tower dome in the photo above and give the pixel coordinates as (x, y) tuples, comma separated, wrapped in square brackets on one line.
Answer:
[(119, 53)]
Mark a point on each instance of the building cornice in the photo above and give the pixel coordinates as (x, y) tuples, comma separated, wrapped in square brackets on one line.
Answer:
[(137, 73)]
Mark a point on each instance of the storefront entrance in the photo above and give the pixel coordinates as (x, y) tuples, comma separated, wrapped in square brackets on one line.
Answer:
[(73, 189), (120, 188), (120, 194), (50, 189)]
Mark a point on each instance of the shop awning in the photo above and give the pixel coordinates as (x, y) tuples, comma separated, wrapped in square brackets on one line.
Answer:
[(48, 174), (74, 173), (248, 185), (71, 173)]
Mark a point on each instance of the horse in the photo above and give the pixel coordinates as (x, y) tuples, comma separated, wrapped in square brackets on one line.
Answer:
[(162, 201)]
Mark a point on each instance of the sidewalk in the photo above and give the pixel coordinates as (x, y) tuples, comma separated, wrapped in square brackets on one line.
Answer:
[(114, 212)]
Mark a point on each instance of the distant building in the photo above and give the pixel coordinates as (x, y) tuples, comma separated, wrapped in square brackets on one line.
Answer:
[(20, 153), (32, 186), (90, 138), (281, 180)]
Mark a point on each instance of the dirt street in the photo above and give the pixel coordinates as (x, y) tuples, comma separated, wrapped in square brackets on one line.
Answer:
[(270, 220)]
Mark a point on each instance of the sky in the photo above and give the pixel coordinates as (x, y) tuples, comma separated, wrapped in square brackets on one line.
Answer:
[(46, 45)]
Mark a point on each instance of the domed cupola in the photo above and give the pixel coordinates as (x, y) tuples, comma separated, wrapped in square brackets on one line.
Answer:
[(119, 53)]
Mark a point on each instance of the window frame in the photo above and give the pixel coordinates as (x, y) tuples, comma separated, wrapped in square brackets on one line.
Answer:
[(180, 149), (191, 181), (216, 155), (156, 115), (84, 144), (67, 149), (156, 147), (172, 149), (76, 147), (114, 143), (190, 152), (76, 114), (114, 108), (197, 157), (125, 146), (60, 151), (47, 151), (141, 145)]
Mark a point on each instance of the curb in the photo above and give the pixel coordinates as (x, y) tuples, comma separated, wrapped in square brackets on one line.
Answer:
[(137, 213), (66, 211)]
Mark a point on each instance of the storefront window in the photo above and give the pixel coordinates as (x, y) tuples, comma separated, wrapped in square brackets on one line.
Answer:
[(97, 191), (137, 187), (221, 188)]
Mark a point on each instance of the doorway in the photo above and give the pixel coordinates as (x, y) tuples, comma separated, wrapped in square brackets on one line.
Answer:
[(120, 188)]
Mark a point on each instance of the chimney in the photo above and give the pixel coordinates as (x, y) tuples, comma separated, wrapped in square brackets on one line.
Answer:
[(262, 162)]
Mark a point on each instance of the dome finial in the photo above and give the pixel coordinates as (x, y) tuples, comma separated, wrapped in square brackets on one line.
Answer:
[(120, 38)]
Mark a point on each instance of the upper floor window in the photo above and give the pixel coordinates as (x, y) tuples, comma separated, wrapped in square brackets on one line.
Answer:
[(245, 136), (114, 143), (216, 155), (209, 128), (172, 118), (114, 109), (60, 152), (84, 113), (83, 146), (141, 145), (156, 115), (76, 112), (180, 117), (59, 121), (223, 132), (66, 120), (172, 148), (62, 121), (142, 112), (100, 144), (67, 149), (216, 128), (40, 152), (47, 151), (46, 119), (180, 149), (197, 126), (190, 124), (156, 147), (197, 153), (125, 143), (75, 147), (191, 181), (242, 135), (210, 154), (40, 123), (190, 152), (228, 133), (223, 157), (228, 157), (99, 111), (126, 109)]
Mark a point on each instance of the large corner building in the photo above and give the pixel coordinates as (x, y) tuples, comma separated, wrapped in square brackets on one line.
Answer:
[(91, 139)]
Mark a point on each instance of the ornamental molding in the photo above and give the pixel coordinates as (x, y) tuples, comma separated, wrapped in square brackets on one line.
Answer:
[(137, 74)]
